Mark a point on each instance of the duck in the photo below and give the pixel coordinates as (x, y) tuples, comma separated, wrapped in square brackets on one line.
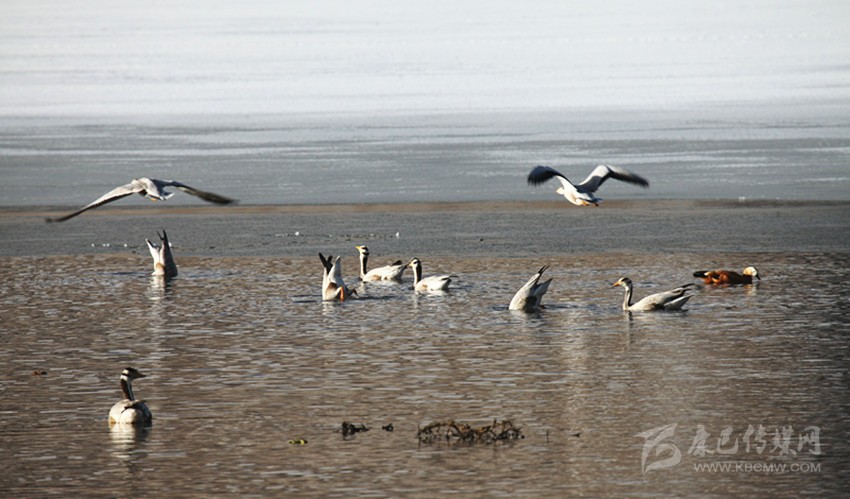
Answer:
[(130, 411), (430, 283), (666, 300), (163, 260), (583, 194), (151, 188), (333, 286), (392, 272), (530, 295), (728, 277)]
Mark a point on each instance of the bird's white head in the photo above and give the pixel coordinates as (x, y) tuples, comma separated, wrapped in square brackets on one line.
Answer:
[(623, 281), (363, 250), (751, 271)]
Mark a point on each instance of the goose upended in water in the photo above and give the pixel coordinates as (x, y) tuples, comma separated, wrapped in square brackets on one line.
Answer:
[(667, 300), (430, 283), (721, 277), (583, 194), (130, 410), (151, 188), (386, 273), (333, 286), (163, 260), (529, 296)]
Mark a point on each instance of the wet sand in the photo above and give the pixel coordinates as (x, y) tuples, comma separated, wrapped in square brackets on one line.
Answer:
[(467, 229)]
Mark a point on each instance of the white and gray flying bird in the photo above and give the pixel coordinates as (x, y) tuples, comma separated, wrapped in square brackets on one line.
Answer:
[(666, 300), (163, 260), (150, 188), (583, 194), (130, 410), (529, 296)]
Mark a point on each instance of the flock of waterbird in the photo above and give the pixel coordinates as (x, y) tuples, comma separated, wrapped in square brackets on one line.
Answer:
[(527, 299)]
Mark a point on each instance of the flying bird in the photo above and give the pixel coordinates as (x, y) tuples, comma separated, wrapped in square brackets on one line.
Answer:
[(529, 296), (666, 300), (583, 194), (727, 277), (150, 188), (163, 260)]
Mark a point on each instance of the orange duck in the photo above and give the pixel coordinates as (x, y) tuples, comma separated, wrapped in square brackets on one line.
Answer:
[(721, 277)]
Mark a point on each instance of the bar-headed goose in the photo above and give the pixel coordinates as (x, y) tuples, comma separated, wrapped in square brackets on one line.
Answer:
[(386, 273), (667, 300), (130, 410), (529, 296), (163, 260), (430, 283), (333, 286)]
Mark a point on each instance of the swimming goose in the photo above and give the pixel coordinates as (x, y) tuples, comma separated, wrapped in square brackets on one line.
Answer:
[(721, 277), (386, 273), (333, 287), (529, 296), (150, 188), (130, 410), (583, 194), (430, 283), (667, 300), (163, 260)]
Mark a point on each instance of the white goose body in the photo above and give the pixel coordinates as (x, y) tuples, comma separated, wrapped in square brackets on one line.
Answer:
[(333, 286), (529, 297), (130, 411), (163, 260), (430, 283), (583, 194), (392, 272), (666, 300)]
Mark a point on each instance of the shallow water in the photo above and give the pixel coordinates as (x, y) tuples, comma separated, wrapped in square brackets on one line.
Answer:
[(242, 356)]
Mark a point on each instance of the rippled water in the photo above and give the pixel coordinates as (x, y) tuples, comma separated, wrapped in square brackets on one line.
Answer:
[(242, 356)]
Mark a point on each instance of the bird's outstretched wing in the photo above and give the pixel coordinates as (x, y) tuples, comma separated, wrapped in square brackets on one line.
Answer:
[(117, 193), (603, 172), (540, 174), (206, 196)]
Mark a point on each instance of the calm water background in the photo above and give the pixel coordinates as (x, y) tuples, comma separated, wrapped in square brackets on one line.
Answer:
[(242, 357)]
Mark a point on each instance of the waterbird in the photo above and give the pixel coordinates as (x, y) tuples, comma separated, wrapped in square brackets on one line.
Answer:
[(430, 283), (130, 410), (530, 295), (666, 300), (728, 277), (583, 194), (163, 260), (333, 286), (150, 188), (392, 272)]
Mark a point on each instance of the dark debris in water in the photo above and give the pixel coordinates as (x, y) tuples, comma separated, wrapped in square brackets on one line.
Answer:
[(453, 431), (349, 429)]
